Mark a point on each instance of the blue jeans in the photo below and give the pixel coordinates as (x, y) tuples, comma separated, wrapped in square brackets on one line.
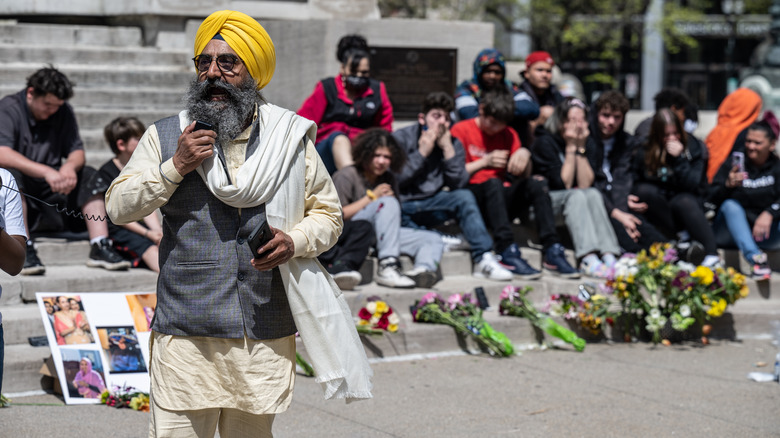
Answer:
[(325, 149), (455, 204), (731, 227)]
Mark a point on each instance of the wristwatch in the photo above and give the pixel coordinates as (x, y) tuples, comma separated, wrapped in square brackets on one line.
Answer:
[(581, 150)]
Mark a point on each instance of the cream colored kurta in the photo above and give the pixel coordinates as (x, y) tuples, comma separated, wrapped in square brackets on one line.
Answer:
[(199, 372)]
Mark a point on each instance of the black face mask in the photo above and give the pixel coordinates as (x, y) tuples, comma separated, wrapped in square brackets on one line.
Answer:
[(356, 83)]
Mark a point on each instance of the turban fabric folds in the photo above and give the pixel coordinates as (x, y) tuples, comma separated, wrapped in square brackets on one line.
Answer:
[(244, 35)]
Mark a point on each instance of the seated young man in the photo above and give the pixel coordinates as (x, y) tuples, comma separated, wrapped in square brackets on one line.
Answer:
[(137, 241), (40, 145), (500, 172), (435, 160)]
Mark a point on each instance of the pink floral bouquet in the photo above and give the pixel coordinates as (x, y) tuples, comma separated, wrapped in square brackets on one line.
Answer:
[(460, 312)]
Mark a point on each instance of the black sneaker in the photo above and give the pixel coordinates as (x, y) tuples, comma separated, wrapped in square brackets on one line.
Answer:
[(691, 251), (555, 262), (32, 264), (518, 266), (103, 255)]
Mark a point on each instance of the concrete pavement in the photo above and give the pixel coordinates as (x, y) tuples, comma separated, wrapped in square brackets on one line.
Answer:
[(610, 390)]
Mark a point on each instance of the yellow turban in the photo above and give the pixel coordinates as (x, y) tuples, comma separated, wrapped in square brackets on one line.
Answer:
[(244, 35)]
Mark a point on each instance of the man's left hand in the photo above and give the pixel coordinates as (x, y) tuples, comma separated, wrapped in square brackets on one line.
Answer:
[(69, 179), (279, 250)]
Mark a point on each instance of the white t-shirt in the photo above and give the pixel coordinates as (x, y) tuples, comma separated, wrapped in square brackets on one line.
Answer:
[(11, 218)]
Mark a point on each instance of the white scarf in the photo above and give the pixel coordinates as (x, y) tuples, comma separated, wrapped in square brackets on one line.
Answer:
[(274, 174)]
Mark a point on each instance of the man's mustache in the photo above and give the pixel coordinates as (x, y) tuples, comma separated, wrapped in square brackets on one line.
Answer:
[(208, 87)]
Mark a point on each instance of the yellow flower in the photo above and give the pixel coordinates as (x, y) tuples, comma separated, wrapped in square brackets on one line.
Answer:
[(704, 274), (718, 308), (744, 291), (654, 264), (392, 328), (705, 299), (381, 307), (362, 322)]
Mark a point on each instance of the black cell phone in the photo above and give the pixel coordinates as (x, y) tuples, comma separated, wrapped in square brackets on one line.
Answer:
[(203, 125), (259, 237)]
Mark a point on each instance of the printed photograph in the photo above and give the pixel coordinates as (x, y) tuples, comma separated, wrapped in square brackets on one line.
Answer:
[(142, 308), (71, 325), (122, 350), (84, 373)]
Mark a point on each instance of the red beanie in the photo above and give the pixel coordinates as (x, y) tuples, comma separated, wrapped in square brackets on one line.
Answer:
[(540, 56)]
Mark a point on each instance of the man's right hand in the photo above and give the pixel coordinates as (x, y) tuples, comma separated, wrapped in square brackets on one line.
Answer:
[(193, 148)]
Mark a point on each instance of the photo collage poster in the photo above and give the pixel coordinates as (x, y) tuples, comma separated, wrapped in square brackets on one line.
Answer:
[(99, 340)]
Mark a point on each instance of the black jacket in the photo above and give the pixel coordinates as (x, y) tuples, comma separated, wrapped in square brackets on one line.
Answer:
[(616, 190), (759, 192), (686, 173)]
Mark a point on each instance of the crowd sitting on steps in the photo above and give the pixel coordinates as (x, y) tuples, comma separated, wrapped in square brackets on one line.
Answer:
[(491, 155)]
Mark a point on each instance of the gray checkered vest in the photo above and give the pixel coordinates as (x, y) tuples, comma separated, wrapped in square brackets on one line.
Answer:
[(207, 286)]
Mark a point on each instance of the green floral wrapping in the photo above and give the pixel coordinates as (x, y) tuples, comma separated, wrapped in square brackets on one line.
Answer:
[(554, 329), (504, 344)]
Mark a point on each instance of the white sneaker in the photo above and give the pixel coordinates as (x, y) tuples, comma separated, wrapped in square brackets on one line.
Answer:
[(422, 277), (454, 243), (489, 267), (389, 274), (347, 280)]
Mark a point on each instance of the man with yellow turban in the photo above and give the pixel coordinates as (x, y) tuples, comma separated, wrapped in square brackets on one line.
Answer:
[(223, 345)]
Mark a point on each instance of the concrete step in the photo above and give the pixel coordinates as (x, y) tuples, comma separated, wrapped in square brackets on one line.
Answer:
[(745, 320), (125, 56), (12, 32), (75, 279), (91, 121), (141, 97), (87, 76)]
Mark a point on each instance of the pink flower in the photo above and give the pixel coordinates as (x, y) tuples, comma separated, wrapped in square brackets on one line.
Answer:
[(507, 292), (454, 300), (430, 297)]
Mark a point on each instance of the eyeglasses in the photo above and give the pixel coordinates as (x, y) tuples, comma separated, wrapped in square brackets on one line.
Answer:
[(225, 62)]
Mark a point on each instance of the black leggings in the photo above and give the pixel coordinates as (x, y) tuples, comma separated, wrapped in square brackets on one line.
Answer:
[(680, 211)]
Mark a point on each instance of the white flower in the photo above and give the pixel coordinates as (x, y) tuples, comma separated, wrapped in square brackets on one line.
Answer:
[(393, 318), (371, 307), (374, 320), (655, 314), (685, 311)]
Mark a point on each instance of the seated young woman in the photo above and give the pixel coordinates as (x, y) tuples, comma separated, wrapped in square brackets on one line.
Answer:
[(747, 187), (346, 105), (368, 192), (562, 155), (669, 175)]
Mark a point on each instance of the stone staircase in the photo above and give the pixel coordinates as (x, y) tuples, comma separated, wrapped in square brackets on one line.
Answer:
[(114, 74), (67, 273)]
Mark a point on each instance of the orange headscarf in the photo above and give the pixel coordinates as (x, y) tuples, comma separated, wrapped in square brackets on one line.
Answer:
[(244, 35), (737, 111)]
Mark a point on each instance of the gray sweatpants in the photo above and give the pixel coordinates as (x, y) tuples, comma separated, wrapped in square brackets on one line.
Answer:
[(392, 240), (583, 212)]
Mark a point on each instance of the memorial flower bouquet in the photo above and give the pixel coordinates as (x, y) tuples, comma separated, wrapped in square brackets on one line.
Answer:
[(461, 313), (658, 291), (515, 302), (125, 397), (377, 317)]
